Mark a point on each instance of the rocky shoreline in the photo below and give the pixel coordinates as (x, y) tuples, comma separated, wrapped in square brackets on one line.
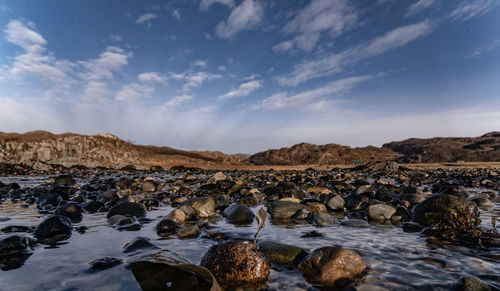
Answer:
[(436, 204)]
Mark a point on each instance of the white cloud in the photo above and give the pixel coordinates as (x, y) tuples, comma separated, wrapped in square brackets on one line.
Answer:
[(176, 14), (194, 80), (222, 68), (243, 90), (146, 17), (178, 100), (334, 63), (480, 50), (243, 17), (151, 77), (108, 62), (200, 63), (331, 16), (115, 37), (134, 91), (418, 7), (308, 99), (251, 77), (205, 4), (469, 9)]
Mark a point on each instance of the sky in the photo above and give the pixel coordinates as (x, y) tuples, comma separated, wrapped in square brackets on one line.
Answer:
[(243, 76)]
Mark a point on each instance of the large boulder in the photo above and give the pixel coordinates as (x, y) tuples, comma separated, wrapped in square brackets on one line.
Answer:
[(286, 209), (239, 214), (54, 229), (236, 263), (332, 266), (204, 206), (71, 210), (282, 254), (128, 209), (380, 212)]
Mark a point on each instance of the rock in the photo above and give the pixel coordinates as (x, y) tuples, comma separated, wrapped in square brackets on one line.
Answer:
[(318, 190), (71, 210), (312, 233), (164, 271), (411, 227), (14, 251), (92, 206), (109, 195), (189, 212), (336, 203), (219, 176), (188, 232), (137, 244), (115, 219), (412, 198), (166, 227), (286, 209), (316, 207), (50, 198), (204, 206), (450, 217), (483, 202), (239, 214), (363, 189), (380, 212), (282, 254), (65, 180), (474, 284), (332, 266), (128, 209), (177, 215), (129, 227), (322, 219), (291, 199), (148, 186), (104, 263), (53, 229), (356, 202), (236, 262), (354, 222)]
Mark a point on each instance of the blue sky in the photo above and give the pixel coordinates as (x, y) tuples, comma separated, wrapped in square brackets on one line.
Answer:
[(245, 76)]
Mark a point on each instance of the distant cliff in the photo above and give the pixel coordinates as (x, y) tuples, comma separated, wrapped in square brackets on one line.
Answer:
[(40, 149)]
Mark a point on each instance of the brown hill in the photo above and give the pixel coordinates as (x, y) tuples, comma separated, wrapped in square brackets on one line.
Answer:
[(485, 148), (40, 149), (329, 154)]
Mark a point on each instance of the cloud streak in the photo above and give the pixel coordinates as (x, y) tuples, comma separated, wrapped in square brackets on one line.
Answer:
[(243, 17), (243, 90)]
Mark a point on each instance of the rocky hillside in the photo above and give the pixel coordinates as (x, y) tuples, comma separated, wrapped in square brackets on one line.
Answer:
[(41, 149), (329, 154), (485, 148)]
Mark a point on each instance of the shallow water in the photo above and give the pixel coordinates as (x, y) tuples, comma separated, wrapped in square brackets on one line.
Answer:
[(396, 260)]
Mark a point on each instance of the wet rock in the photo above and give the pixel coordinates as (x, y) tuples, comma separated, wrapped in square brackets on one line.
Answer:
[(166, 227), (380, 212), (104, 263), (177, 215), (204, 206), (355, 201), (14, 251), (109, 195), (148, 186), (412, 198), (139, 244), (189, 212), (483, 202), (451, 218), (164, 271), (71, 210), (65, 180), (474, 284), (115, 219), (17, 228), (332, 266), (354, 222), (322, 219), (188, 232), (313, 233), (92, 206), (128, 209), (236, 262), (411, 227), (50, 198), (238, 214), (316, 207), (285, 209), (301, 214), (282, 254), (53, 229), (134, 226), (336, 203)]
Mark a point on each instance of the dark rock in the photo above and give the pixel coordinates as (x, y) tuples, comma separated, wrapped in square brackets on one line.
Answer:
[(336, 203), (322, 219), (332, 266), (71, 210), (239, 214), (474, 284), (129, 227), (236, 262), (64, 179), (54, 229), (50, 198), (166, 227), (104, 263), (411, 227), (92, 206), (138, 244), (128, 209), (313, 233), (285, 209), (14, 251), (188, 232), (282, 254), (483, 202), (355, 202)]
